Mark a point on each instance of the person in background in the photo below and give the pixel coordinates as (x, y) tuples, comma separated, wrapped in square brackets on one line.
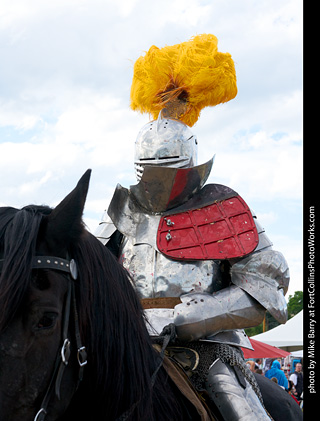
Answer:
[(296, 379), (251, 365), (258, 364), (275, 371)]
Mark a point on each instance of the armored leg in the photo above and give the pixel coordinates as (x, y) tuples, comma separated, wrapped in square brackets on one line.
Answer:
[(232, 394)]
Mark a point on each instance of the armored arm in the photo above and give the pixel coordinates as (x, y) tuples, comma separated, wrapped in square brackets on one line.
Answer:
[(264, 275), (260, 282), (201, 314)]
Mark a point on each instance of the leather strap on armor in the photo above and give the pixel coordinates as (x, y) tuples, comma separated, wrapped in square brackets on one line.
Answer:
[(161, 302)]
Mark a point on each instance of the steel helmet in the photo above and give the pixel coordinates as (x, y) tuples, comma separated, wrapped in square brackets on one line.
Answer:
[(165, 142)]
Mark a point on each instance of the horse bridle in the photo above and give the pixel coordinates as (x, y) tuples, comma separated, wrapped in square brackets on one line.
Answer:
[(62, 358), (49, 262)]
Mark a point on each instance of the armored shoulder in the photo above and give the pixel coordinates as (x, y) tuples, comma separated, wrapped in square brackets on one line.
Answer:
[(215, 224), (105, 229), (265, 276)]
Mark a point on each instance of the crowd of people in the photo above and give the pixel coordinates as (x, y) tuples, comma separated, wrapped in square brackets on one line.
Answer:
[(292, 383)]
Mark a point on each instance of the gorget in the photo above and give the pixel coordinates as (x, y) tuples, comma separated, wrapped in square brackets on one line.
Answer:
[(136, 211), (163, 188)]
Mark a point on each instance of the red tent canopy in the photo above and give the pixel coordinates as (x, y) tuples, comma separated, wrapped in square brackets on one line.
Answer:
[(262, 350)]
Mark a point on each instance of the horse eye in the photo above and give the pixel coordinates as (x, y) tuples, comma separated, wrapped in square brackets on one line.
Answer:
[(47, 321)]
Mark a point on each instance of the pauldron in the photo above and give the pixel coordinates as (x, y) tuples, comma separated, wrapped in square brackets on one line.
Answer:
[(215, 224)]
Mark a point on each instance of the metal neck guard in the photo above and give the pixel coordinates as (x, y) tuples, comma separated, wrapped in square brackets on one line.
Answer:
[(163, 188)]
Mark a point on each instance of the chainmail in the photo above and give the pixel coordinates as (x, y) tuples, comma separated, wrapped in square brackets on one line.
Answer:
[(209, 352)]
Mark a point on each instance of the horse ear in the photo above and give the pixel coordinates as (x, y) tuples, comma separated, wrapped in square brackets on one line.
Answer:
[(64, 224)]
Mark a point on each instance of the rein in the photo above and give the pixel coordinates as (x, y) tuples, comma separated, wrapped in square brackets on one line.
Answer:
[(70, 309)]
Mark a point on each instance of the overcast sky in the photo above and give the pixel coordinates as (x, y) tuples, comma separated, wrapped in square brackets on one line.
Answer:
[(66, 68)]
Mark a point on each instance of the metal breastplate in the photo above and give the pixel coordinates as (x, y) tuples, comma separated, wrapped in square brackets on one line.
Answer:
[(155, 275)]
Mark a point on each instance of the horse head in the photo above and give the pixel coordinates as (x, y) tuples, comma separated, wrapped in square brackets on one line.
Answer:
[(39, 362), (54, 320)]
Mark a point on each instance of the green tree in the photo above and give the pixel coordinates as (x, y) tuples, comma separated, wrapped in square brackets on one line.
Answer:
[(295, 303)]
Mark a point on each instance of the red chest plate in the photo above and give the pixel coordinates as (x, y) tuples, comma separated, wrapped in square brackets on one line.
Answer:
[(222, 230)]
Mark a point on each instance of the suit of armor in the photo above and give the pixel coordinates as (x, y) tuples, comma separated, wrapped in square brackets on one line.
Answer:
[(200, 248)]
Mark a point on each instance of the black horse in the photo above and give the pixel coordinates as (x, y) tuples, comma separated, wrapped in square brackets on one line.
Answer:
[(73, 341)]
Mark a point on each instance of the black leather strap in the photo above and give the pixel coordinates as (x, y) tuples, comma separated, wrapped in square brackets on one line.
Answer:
[(70, 308), (48, 262), (51, 262)]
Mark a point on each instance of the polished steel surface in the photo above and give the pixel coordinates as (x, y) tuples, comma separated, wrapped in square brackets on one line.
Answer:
[(105, 229), (163, 188), (265, 276), (235, 402), (157, 276), (165, 142), (201, 315), (130, 219)]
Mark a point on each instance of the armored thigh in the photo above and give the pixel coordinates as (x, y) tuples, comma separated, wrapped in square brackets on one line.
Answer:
[(233, 394)]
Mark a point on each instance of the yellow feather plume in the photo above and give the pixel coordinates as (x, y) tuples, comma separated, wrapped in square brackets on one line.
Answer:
[(183, 79)]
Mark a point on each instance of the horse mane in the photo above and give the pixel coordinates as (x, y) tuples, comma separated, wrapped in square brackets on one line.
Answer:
[(121, 359), (114, 331), (18, 236)]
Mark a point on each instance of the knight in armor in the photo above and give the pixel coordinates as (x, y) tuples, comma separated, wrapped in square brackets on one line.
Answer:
[(197, 254)]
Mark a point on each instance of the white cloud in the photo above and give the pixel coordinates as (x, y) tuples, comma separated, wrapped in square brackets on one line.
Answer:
[(65, 76), (187, 12), (292, 250), (274, 171), (15, 115)]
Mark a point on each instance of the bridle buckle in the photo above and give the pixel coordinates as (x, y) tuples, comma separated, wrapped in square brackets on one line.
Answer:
[(65, 351), (82, 356)]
